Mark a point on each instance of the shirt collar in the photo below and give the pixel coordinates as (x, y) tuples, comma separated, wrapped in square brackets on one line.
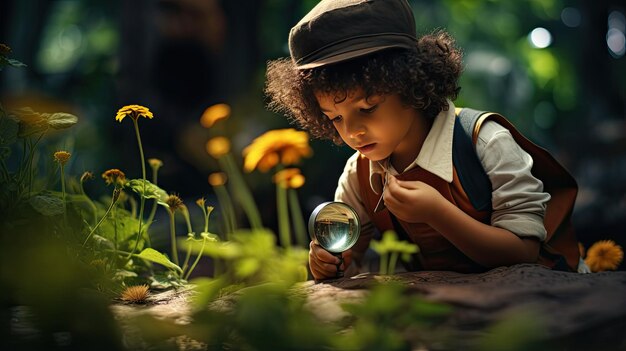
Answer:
[(435, 155)]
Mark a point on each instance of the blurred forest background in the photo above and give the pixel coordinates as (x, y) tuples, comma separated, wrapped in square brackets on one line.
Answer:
[(556, 68)]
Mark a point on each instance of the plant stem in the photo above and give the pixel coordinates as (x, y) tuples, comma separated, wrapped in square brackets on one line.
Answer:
[(154, 203), (383, 263), (283, 214), (195, 263), (63, 192), (142, 199), (243, 192), (228, 211), (392, 262), (113, 202), (173, 236), (296, 216), (188, 254)]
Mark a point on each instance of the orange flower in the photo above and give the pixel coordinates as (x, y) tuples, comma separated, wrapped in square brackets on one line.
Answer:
[(218, 146), (114, 176), (213, 114), (134, 111), (286, 146), (289, 178), (604, 255)]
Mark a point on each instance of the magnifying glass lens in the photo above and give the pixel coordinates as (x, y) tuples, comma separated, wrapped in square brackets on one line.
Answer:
[(335, 227)]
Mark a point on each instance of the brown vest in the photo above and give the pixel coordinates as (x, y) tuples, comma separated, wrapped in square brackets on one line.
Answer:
[(437, 253)]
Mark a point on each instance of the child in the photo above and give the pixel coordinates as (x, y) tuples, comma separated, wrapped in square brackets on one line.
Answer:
[(359, 75)]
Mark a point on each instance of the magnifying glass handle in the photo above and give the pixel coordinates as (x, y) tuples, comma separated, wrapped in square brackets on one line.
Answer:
[(339, 270)]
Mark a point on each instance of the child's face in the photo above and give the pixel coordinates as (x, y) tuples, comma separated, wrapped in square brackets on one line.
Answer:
[(378, 127)]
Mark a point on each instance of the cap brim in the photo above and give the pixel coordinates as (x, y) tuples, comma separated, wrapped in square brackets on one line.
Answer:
[(345, 56)]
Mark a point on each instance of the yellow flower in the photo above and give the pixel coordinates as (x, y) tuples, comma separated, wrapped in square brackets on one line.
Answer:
[(604, 255), (217, 178), (136, 294), (213, 114), (114, 176), (200, 202), (289, 178), (62, 157), (155, 163), (134, 111), (218, 146), (286, 146)]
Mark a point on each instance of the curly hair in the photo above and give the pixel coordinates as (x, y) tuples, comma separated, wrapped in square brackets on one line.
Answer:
[(424, 79)]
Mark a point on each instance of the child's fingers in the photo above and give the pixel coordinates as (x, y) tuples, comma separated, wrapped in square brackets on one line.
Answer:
[(323, 265)]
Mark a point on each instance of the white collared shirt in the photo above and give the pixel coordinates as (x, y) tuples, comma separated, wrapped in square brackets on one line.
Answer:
[(517, 197)]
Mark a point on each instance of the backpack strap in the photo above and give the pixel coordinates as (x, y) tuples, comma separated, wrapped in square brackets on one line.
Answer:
[(469, 169)]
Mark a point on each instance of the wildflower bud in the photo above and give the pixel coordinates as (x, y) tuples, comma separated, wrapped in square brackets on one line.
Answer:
[(155, 163), (217, 179), (62, 157), (86, 176), (213, 114), (218, 147), (116, 194)]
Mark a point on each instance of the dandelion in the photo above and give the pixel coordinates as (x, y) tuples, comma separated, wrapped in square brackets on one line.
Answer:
[(61, 157), (134, 112), (136, 294), (217, 178), (214, 114), (114, 176), (284, 146), (218, 147), (604, 255)]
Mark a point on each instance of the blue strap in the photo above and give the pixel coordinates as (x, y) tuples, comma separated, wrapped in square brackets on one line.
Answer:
[(470, 171)]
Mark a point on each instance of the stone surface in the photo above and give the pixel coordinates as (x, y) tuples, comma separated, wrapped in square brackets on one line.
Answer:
[(576, 311)]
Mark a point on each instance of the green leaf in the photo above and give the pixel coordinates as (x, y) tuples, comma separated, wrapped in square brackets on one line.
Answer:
[(14, 63), (153, 255), (61, 120), (47, 205), (8, 131), (152, 191)]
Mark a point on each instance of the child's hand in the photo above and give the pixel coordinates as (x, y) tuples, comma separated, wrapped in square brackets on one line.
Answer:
[(411, 201), (323, 264)]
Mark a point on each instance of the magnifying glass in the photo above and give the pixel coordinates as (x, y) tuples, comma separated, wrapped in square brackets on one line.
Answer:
[(334, 226)]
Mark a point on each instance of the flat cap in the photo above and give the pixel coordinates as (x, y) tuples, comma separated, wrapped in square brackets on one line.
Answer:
[(339, 30)]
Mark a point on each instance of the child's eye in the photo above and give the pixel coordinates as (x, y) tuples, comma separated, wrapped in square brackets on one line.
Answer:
[(369, 110), (336, 119)]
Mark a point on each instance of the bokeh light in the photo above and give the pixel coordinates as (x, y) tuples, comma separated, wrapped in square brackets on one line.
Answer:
[(540, 38)]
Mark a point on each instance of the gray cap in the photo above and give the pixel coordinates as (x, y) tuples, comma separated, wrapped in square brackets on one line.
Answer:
[(338, 30)]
